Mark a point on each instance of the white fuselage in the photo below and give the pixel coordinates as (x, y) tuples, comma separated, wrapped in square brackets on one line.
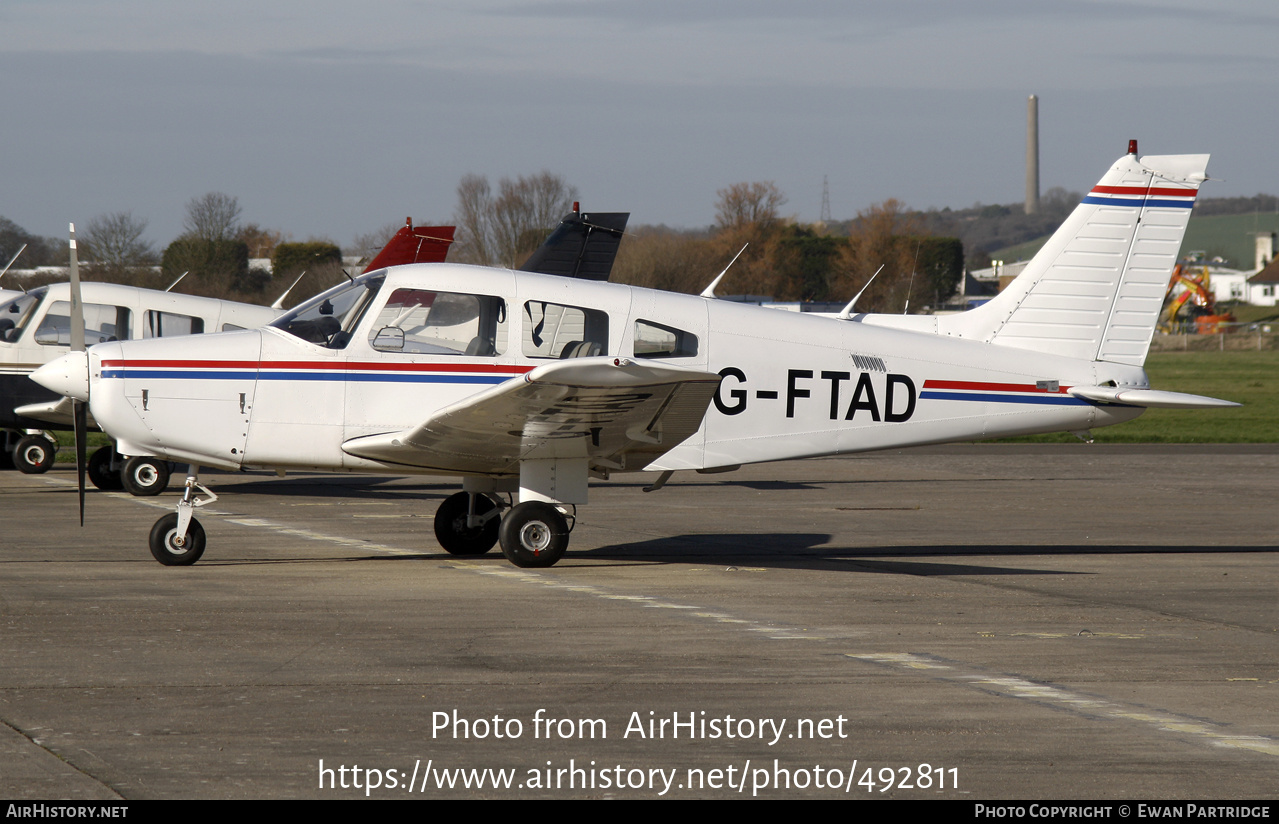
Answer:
[(792, 385)]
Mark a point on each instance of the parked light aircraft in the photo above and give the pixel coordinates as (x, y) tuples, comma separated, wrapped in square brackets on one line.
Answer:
[(527, 385), (35, 328)]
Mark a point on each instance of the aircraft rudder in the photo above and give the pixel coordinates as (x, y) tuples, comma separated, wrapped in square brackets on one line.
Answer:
[(1095, 289)]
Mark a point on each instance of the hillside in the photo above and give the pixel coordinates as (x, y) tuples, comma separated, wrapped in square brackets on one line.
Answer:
[(1213, 230)]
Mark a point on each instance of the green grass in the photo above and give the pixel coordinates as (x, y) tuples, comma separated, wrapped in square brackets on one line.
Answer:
[(1249, 378), (1247, 313)]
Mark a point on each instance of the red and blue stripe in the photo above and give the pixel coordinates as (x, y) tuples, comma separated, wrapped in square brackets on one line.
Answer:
[(988, 392), (345, 371), (1143, 196)]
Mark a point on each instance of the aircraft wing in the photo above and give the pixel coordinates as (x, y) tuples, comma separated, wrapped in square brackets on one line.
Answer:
[(619, 414), (58, 413)]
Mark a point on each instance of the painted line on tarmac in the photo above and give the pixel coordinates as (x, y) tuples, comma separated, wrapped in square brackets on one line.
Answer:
[(931, 666), (1010, 686), (257, 523), (772, 631)]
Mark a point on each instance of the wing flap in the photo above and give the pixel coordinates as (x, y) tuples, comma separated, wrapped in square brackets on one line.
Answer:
[(617, 413)]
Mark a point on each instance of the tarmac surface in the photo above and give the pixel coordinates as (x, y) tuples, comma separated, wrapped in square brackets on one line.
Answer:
[(974, 622)]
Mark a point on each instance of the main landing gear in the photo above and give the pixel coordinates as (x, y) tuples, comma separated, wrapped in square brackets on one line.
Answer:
[(31, 452), (532, 534), (141, 476)]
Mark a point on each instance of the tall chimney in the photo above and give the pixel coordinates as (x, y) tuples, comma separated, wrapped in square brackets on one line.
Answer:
[(1032, 155)]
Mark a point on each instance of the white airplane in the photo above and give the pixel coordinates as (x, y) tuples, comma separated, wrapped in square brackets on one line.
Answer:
[(527, 386), (35, 328)]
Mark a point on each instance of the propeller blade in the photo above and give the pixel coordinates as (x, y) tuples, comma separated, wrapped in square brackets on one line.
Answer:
[(81, 436), (80, 408), (77, 306)]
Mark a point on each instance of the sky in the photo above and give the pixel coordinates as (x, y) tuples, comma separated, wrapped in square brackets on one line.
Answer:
[(332, 119)]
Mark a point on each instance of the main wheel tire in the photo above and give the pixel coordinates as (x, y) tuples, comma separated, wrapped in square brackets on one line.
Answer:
[(144, 477), (453, 533), (534, 534), (165, 533), (99, 470), (34, 455)]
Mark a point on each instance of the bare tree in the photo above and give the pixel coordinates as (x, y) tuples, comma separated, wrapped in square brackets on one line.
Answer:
[(504, 230), (753, 205), (474, 210), (675, 260), (114, 241), (213, 216), (261, 242), (368, 244), (885, 234)]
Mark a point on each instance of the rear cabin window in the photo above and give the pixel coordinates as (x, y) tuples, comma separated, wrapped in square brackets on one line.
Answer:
[(552, 330), (656, 340), (167, 325), (425, 322), (102, 322)]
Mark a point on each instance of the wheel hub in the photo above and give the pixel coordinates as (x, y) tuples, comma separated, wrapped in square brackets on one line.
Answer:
[(535, 536)]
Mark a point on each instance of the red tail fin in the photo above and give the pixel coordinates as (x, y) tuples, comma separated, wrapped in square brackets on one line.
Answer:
[(423, 244)]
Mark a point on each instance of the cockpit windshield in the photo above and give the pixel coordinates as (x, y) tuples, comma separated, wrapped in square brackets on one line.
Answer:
[(328, 318), (15, 313)]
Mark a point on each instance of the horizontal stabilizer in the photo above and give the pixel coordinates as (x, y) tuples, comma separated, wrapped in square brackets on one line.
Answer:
[(1151, 398)]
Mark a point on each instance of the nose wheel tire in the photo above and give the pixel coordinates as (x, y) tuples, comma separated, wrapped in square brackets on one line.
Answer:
[(453, 533), (164, 546), (145, 476), (534, 534), (34, 455)]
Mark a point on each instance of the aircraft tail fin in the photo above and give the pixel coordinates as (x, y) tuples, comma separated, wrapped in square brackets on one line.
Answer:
[(581, 246), (1094, 291), (420, 244)]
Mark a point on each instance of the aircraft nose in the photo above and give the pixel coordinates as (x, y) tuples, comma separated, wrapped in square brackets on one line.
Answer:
[(68, 375)]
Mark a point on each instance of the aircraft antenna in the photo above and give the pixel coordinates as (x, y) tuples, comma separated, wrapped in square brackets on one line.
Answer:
[(169, 288), (847, 312), (911, 285), (11, 260), (279, 302), (709, 291)]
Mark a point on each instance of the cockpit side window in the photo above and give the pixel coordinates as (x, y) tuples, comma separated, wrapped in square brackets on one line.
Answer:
[(329, 318), (426, 322), (16, 313), (553, 330)]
